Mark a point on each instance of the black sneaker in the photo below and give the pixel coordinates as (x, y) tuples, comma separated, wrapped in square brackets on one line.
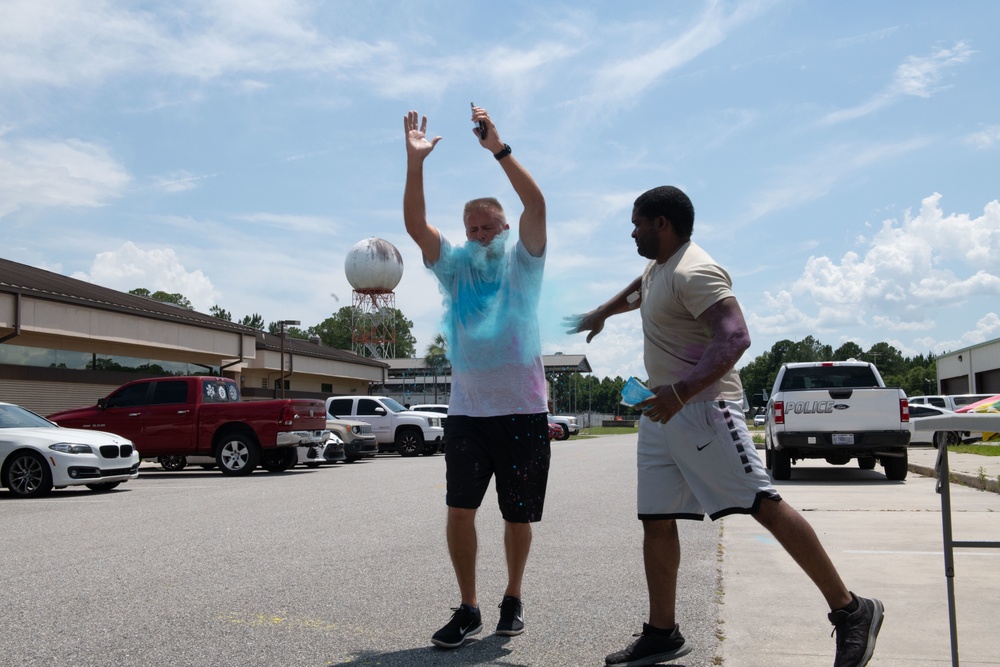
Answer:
[(511, 617), (652, 646), (856, 632), (465, 622)]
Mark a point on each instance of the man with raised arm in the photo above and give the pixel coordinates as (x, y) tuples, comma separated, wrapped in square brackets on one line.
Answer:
[(497, 424)]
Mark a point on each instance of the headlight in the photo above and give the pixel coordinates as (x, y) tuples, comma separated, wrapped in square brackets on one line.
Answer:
[(356, 430), (69, 448), (435, 423)]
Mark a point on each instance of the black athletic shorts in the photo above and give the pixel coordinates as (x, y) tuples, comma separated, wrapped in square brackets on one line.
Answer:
[(515, 448)]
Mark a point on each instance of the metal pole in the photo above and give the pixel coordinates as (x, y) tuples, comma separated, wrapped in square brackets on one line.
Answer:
[(281, 381), (283, 324), (944, 488)]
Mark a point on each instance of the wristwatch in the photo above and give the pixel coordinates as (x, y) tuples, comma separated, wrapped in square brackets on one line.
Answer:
[(502, 153)]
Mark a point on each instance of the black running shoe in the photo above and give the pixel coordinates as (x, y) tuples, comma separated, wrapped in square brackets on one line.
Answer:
[(465, 622), (856, 632), (511, 617), (652, 646)]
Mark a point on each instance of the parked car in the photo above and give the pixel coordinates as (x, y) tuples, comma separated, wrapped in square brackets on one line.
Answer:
[(440, 408), (37, 455), (204, 416), (934, 438), (953, 403), (397, 429), (566, 424), (759, 420), (358, 438)]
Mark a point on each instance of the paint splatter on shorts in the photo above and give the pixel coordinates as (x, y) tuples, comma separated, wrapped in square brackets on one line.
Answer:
[(515, 448)]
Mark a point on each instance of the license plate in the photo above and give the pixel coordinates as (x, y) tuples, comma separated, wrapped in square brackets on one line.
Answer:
[(843, 438)]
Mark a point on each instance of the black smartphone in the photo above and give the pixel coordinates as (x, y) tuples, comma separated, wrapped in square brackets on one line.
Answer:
[(482, 124)]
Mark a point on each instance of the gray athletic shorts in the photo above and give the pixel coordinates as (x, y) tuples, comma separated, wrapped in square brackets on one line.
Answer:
[(702, 461)]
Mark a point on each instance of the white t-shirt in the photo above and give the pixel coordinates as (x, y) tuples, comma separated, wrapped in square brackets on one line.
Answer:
[(674, 294), (491, 326)]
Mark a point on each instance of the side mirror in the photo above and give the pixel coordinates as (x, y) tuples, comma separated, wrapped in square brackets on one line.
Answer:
[(102, 403), (380, 412), (758, 401)]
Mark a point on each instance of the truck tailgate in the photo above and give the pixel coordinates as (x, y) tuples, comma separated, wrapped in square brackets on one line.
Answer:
[(832, 410)]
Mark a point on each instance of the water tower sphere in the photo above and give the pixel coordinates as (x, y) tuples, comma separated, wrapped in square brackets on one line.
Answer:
[(374, 264)]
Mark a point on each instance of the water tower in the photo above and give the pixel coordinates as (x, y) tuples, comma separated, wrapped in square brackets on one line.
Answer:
[(374, 267)]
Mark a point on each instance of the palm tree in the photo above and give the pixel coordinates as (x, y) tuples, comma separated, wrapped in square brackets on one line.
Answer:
[(436, 358)]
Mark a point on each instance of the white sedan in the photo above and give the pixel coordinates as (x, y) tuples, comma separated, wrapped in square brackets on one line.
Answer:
[(37, 455), (933, 438)]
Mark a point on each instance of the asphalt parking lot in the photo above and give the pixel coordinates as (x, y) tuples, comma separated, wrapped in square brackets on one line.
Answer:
[(346, 565)]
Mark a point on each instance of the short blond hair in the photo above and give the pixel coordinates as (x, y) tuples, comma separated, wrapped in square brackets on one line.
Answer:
[(484, 204)]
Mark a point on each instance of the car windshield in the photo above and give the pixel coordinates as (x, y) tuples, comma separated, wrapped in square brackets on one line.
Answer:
[(12, 416), (394, 405)]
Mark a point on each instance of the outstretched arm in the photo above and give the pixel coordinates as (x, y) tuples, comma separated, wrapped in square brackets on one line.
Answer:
[(531, 229), (414, 208), (628, 299)]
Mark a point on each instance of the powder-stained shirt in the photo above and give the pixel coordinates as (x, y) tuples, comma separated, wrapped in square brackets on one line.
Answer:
[(674, 294), (491, 327)]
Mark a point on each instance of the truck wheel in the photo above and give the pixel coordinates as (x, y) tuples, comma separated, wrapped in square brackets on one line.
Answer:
[(238, 455), (866, 462), (280, 460), (409, 442), (781, 465), (173, 462), (564, 435), (27, 475), (895, 467)]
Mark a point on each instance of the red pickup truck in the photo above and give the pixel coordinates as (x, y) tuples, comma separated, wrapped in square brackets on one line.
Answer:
[(204, 416)]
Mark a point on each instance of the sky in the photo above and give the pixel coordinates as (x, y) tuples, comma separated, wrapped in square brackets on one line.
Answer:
[(843, 160)]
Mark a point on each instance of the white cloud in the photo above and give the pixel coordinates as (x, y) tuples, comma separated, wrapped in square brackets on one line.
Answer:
[(910, 269), (36, 172), (986, 328), (985, 138), (807, 181), (178, 181), (157, 269), (628, 78), (917, 76), (85, 42)]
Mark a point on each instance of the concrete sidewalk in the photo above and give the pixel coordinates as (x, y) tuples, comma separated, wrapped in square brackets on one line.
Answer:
[(978, 472), (886, 540)]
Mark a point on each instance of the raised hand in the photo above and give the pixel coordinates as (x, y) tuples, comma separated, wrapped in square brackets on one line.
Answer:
[(417, 144)]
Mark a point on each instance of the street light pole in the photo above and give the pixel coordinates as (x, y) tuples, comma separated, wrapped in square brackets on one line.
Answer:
[(284, 323)]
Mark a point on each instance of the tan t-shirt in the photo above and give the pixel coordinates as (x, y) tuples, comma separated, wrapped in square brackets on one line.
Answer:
[(674, 294)]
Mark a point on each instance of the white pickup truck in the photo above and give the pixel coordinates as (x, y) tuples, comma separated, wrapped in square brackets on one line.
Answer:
[(408, 432), (837, 411)]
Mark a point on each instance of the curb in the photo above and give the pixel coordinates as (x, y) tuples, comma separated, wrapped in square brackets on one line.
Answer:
[(982, 483)]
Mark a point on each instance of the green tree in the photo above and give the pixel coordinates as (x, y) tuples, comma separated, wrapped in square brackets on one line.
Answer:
[(165, 297), (436, 359), (274, 328), (222, 314), (849, 350), (254, 321)]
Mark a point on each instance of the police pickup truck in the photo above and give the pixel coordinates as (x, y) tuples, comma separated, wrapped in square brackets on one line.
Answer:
[(837, 411)]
